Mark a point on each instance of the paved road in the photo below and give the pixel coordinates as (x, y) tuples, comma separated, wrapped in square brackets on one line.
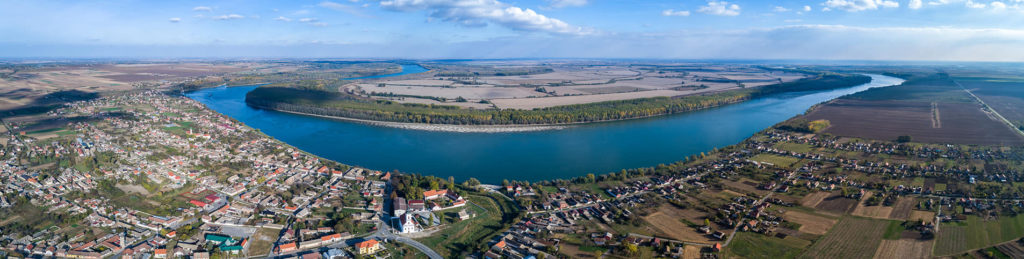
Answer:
[(766, 196), (385, 231), (989, 108)]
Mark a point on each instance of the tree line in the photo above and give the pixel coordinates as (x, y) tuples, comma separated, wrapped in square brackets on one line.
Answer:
[(338, 104)]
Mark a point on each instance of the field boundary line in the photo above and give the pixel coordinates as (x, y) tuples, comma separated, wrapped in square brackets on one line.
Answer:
[(989, 109)]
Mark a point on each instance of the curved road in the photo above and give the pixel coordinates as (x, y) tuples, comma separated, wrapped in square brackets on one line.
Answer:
[(385, 232)]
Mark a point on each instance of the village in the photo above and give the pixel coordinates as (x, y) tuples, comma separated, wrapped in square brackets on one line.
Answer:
[(774, 185), (149, 174)]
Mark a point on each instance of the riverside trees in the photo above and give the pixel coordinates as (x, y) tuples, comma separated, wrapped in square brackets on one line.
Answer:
[(310, 100)]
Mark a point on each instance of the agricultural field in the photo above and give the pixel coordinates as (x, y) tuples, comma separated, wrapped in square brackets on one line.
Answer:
[(753, 245), (1006, 96), (930, 110), (850, 238), (837, 204), (1012, 249), (876, 211), (813, 199), (528, 85), (56, 83), (976, 233), (668, 220), (903, 209), (811, 223), (904, 249)]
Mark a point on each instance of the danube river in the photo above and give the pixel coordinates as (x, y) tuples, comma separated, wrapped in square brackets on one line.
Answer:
[(538, 155)]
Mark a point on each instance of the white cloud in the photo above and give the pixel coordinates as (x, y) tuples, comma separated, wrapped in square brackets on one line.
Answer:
[(482, 12), (720, 8), (175, 20), (229, 17), (859, 5), (780, 9), (998, 6), (308, 20), (671, 12), (283, 19), (793, 20), (567, 3), (807, 8), (914, 4), (202, 9)]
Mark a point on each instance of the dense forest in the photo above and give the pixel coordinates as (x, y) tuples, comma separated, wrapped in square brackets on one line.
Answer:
[(331, 103)]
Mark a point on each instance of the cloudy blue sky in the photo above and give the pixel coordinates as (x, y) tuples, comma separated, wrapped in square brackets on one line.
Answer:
[(955, 30)]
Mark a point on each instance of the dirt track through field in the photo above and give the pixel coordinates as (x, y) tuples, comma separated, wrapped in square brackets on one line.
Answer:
[(667, 221), (811, 224), (989, 110), (812, 200), (936, 119)]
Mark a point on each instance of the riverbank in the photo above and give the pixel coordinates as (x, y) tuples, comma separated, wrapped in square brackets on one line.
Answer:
[(442, 127), (346, 105), (532, 156)]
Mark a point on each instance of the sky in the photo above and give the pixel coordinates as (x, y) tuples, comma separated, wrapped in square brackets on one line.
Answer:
[(926, 30)]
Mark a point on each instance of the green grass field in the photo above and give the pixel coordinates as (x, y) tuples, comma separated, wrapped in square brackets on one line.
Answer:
[(475, 233), (795, 147), (780, 161), (918, 181), (753, 245), (974, 233), (892, 232)]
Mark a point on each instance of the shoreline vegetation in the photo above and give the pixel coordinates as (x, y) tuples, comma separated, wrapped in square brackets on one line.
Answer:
[(303, 99)]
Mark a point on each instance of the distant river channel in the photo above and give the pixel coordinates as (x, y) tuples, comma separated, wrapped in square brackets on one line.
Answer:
[(536, 155)]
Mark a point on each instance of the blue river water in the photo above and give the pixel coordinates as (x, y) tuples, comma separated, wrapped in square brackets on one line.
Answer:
[(539, 155)]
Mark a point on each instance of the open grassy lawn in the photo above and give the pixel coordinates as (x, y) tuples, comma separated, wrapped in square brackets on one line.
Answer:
[(474, 234), (780, 161), (893, 230), (795, 147), (754, 245), (974, 233), (918, 181)]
